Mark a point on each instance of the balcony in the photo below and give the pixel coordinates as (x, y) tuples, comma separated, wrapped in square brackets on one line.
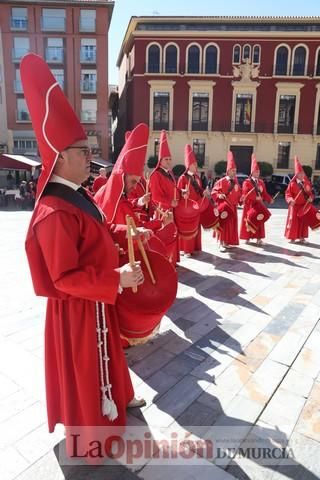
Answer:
[(88, 86), (87, 25), (88, 116), (23, 116), (18, 53), (199, 126), (160, 125), (53, 24), (88, 56), (19, 24), (54, 54), (17, 86), (242, 127), (281, 128)]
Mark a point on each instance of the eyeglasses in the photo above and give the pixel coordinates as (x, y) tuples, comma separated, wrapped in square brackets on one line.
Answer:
[(85, 150)]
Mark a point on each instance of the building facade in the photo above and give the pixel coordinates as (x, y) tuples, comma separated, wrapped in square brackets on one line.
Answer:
[(72, 36), (249, 84)]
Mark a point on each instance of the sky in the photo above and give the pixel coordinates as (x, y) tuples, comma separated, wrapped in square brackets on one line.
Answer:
[(124, 9)]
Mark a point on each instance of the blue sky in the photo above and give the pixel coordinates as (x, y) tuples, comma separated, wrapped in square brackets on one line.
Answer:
[(124, 9)]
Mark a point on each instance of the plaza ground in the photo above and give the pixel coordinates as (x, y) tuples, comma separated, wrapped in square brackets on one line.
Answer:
[(239, 348)]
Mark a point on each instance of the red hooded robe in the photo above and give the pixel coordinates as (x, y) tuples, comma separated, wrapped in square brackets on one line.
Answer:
[(73, 262)]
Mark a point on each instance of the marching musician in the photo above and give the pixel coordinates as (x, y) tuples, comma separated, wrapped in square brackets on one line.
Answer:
[(254, 193), (298, 196), (114, 197), (164, 192), (190, 182), (75, 264), (227, 193)]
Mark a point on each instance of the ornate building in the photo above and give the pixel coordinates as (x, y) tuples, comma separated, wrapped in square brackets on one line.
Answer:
[(219, 83), (72, 36)]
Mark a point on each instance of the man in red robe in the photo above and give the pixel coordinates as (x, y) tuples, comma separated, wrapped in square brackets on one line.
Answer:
[(298, 195), (113, 198), (100, 180), (190, 182), (254, 193), (163, 188), (227, 193), (74, 263)]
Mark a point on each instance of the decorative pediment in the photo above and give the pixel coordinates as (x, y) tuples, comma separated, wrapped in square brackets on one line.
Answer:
[(246, 72)]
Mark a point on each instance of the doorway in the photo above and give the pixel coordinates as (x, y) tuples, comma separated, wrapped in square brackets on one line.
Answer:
[(242, 155)]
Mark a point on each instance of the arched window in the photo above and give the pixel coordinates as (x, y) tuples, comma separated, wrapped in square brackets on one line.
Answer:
[(318, 64), (171, 59), (211, 59), (246, 52), (256, 54), (194, 59), (282, 61), (236, 54), (299, 61), (154, 59)]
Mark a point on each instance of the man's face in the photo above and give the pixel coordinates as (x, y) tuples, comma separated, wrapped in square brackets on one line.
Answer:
[(300, 176), (74, 162), (103, 172), (130, 182), (193, 168), (232, 172), (255, 174), (166, 163)]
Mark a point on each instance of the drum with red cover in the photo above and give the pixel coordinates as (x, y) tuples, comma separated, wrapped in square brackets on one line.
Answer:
[(187, 218), (226, 211), (311, 215), (209, 214), (140, 313), (257, 215)]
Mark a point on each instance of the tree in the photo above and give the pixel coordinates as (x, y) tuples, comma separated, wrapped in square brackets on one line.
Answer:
[(220, 167), (178, 170), (307, 170), (266, 169), (152, 161)]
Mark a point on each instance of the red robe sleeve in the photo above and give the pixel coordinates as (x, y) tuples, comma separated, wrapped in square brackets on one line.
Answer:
[(78, 276)]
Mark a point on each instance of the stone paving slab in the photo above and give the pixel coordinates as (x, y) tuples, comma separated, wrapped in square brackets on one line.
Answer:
[(240, 347)]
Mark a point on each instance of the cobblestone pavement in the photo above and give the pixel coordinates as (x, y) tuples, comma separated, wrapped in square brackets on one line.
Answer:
[(239, 349)]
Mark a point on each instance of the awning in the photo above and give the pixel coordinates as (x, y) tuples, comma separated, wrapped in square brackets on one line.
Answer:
[(17, 162), (102, 163)]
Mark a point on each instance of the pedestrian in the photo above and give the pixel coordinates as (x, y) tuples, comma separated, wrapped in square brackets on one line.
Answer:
[(74, 263)]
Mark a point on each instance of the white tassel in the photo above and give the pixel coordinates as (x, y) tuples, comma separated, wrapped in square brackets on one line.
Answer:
[(109, 409)]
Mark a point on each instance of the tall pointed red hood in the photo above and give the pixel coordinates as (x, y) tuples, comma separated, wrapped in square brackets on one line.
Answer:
[(131, 162), (231, 164), (189, 156), (254, 164), (53, 119), (164, 150)]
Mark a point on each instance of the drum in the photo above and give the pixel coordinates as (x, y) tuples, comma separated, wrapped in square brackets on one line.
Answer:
[(209, 215), (256, 216), (311, 216), (187, 218), (140, 313), (226, 211)]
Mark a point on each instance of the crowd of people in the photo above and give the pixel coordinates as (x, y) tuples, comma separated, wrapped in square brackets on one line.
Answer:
[(107, 262)]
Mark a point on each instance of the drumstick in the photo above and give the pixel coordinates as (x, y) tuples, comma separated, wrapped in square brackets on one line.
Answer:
[(130, 248), (275, 196), (147, 189), (142, 250)]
